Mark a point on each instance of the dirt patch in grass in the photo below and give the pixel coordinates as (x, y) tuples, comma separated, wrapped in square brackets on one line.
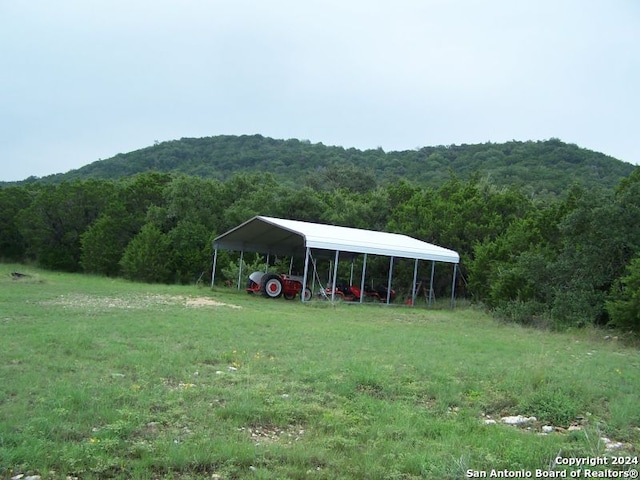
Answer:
[(260, 434), (208, 302), (132, 302)]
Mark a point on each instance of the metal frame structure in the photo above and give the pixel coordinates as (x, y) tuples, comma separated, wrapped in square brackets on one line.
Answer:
[(268, 235)]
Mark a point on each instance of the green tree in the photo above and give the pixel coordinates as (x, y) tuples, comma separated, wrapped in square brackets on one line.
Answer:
[(245, 196), (598, 240), (136, 194), (13, 201), (303, 204), (191, 250), (147, 256), (198, 200), (104, 242), (509, 267), (58, 216), (561, 262), (368, 210), (623, 304), (459, 214)]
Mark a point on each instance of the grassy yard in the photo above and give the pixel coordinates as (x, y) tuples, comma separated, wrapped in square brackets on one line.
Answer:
[(103, 378)]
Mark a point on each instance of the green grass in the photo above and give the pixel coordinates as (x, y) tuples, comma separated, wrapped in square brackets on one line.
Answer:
[(103, 378)]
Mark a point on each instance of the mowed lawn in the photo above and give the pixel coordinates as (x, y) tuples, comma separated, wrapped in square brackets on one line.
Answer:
[(102, 378)]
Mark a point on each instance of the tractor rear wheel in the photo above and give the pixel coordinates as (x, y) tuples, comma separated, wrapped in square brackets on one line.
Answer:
[(306, 294), (272, 286)]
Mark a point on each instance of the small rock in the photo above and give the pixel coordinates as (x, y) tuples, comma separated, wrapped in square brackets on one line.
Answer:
[(284, 395), (547, 429), (252, 468), (219, 372), (490, 421), (17, 477), (232, 369), (117, 375), (32, 477), (518, 420), (611, 445)]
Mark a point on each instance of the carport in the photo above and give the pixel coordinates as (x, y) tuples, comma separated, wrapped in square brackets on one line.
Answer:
[(277, 236)]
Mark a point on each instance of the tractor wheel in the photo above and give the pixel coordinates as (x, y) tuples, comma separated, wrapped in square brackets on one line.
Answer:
[(272, 286), (307, 294), (289, 295)]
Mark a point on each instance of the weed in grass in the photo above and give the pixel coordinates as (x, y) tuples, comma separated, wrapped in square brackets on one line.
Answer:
[(552, 406)]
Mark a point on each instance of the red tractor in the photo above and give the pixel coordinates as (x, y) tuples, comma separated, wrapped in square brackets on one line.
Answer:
[(353, 293), (273, 285)]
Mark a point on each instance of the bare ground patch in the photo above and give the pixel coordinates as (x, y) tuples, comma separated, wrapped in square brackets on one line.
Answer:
[(260, 434), (132, 302), (208, 302)]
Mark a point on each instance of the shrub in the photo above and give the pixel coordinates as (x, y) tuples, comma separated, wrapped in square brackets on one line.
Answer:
[(530, 313), (146, 256), (551, 406), (624, 305)]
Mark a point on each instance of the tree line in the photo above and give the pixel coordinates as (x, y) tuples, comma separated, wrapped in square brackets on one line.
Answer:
[(564, 262)]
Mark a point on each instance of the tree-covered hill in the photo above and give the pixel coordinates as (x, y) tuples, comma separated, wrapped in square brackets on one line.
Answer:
[(569, 260), (545, 168)]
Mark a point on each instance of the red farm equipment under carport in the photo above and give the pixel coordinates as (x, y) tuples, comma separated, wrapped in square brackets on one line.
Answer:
[(275, 285), (352, 293)]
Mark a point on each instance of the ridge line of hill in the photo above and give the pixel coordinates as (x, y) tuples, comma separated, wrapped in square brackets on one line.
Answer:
[(545, 168)]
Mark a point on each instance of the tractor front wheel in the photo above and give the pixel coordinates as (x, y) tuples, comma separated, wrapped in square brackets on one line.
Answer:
[(272, 286)]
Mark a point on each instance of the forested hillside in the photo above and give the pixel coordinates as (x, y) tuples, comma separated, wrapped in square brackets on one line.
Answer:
[(548, 233), (545, 168), (570, 261)]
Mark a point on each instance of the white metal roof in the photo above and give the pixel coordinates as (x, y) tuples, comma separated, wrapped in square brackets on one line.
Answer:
[(289, 237)]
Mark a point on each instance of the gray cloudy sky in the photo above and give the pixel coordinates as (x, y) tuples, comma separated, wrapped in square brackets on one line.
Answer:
[(83, 80)]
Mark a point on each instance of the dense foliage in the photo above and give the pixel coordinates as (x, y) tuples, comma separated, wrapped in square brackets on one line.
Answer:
[(563, 262), (542, 168)]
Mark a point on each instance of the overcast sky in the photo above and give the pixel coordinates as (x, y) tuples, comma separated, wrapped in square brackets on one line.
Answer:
[(84, 80)]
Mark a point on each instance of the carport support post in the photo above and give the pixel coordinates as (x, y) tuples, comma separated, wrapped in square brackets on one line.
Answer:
[(306, 272), (389, 281), (364, 272), (433, 272), (240, 267), (213, 270), (453, 285), (415, 279), (335, 272), (351, 275)]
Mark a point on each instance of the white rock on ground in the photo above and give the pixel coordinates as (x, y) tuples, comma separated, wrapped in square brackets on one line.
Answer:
[(611, 445), (518, 420)]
